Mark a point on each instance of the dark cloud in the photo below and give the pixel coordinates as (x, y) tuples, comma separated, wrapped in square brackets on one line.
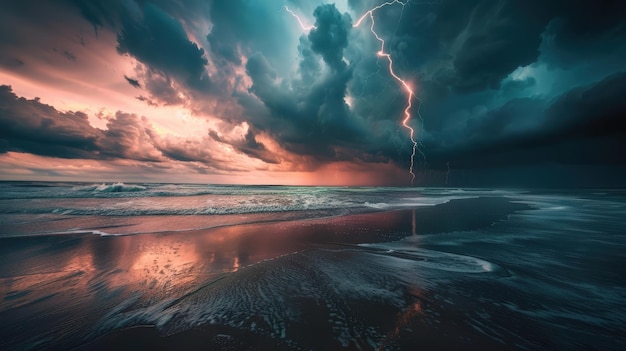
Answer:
[(11, 62), (590, 112), (311, 119), (34, 127), (134, 82), (467, 45), (583, 126), (147, 100), (98, 12), (310, 112), (495, 46), (309, 66), (329, 37), (264, 79), (241, 27), (128, 137), (225, 34), (584, 30), (254, 148), (159, 41), (31, 126), (472, 45), (161, 87), (68, 55), (185, 151), (249, 146)]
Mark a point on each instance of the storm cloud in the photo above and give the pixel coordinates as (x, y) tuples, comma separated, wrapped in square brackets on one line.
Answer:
[(31, 126), (499, 84), (161, 42)]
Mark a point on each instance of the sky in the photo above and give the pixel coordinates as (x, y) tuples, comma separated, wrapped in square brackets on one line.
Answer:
[(498, 93)]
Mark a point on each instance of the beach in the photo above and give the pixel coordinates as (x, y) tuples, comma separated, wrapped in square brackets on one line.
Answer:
[(477, 270)]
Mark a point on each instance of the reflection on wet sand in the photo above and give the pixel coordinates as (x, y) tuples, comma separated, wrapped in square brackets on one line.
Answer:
[(146, 263), (73, 279), (56, 289)]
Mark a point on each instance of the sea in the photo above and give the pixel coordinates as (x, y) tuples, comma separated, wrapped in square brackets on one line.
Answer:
[(224, 267)]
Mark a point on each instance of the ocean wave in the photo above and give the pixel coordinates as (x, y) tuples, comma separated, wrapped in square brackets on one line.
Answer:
[(208, 206), (118, 187), (373, 195), (123, 212), (377, 205), (107, 188)]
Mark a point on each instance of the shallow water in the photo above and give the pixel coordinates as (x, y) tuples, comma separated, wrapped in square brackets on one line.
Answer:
[(362, 268)]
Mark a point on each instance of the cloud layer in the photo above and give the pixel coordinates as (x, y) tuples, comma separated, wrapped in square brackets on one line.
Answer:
[(501, 84)]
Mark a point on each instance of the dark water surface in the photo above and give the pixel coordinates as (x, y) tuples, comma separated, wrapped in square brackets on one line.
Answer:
[(204, 267)]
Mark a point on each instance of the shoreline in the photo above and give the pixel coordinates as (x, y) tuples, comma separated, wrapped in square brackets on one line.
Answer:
[(87, 278), (457, 207)]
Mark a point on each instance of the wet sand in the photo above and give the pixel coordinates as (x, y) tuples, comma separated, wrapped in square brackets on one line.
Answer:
[(274, 285)]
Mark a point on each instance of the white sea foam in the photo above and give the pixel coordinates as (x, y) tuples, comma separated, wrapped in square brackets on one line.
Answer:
[(379, 205), (118, 187), (265, 298), (83, 231), (435, 259)]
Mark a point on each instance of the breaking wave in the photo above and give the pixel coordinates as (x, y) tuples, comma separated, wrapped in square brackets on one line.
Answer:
[(118, 188)]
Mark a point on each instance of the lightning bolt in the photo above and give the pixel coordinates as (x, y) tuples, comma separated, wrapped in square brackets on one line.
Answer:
[(447, 172), (300, 22), (403, 84)]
